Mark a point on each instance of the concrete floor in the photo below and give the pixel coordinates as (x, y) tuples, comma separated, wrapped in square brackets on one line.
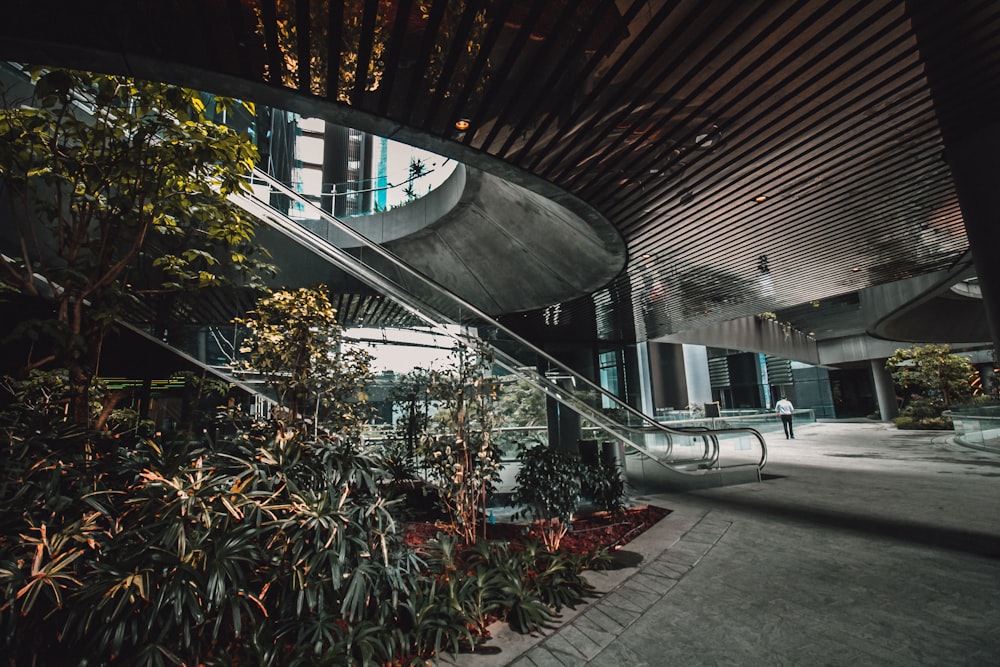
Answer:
[(863, 545)]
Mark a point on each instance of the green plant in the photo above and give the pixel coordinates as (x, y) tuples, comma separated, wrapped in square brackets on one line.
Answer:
[(520, 404), (411, 398), (605, 486), (447, 609), (512, 593), (557, 577), (923, 414), (982, 401), (933, 372), (548, 485), (460, 456), (417, 170), (134, 556), (121, 188), (295, 341), (274, 546)]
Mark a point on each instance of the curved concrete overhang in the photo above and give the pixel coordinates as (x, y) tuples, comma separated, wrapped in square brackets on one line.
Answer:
[(926, 308), (505, 249), (501, 247), (564, 224), (401, 221)]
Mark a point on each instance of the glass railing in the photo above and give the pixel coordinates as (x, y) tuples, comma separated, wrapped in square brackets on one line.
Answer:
[(350, 197), (408, 190), (678, 452), (977, 427), (762, 421)]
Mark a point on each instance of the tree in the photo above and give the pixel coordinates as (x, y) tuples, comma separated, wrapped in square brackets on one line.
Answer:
[(116, 183), (410, 395), (461, 454), (932, 370), (296, 343), (520, 404)]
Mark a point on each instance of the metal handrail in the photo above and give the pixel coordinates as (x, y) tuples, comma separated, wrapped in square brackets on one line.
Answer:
[(436, 319)]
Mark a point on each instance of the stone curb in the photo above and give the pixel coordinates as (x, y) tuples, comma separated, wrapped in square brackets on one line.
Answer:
[(669, 550), (581, 639)]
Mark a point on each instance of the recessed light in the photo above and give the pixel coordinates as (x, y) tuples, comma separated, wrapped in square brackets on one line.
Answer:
[(855, 269), (462, 124), (710, 139), (760, 199)]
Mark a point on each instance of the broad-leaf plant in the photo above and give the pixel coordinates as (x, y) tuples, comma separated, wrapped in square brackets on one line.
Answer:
[(117, 187)]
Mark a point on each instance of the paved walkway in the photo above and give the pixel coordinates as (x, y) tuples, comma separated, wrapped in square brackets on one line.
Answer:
[(864, 545)]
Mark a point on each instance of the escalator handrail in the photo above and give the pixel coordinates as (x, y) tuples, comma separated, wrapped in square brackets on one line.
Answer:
[(355, 266)]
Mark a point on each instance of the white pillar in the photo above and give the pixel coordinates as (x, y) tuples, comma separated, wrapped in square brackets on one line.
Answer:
[(645, 379), (699, 384)]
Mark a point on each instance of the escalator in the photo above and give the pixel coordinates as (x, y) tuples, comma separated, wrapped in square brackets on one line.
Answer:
[(657, 458)]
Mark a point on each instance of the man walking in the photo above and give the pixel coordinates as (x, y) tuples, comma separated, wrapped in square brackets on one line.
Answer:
[(784, 409)]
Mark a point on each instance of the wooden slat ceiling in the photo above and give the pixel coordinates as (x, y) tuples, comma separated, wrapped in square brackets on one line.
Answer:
[(754, 155)]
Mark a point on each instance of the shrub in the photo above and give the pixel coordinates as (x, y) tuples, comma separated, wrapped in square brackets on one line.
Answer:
[(605, 486), (548, 485), (923, 414), (462, 458), (159, 554)]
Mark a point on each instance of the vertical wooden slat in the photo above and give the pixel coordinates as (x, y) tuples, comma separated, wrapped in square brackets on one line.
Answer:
[(365, 42), (497, 13), (421, 62), (500, 79), (303, 36), (269, 17), (455, 53), (334, 49), (393, 54)]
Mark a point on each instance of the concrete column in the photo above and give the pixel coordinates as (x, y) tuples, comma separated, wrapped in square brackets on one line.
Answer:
[(975, 166), (885, 390), (667, 379), (564, 423), (967, 108)]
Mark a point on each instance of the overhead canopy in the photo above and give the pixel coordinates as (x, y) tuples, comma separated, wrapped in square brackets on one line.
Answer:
[(753, 156)]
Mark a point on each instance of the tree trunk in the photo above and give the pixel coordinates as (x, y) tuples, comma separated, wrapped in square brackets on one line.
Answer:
[(82, 356), (79, 394)]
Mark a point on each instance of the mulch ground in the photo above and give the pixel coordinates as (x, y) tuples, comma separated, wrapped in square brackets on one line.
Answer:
[(589, 534)]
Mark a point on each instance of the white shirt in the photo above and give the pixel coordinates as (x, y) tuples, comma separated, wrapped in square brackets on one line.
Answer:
[(783, 407)]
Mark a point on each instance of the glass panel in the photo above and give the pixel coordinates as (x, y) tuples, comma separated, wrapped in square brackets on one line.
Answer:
[(678, 452)]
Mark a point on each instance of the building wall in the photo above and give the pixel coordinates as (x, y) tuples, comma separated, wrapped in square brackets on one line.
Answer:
[(812, 390), (853, 392)]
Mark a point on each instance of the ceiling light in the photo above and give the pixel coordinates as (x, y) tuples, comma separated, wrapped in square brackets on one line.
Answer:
[(761, 199), (462, 124), (855, 269), (710, 139)]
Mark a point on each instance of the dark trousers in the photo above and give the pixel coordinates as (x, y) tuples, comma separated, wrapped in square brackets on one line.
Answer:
[(786, 423)]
